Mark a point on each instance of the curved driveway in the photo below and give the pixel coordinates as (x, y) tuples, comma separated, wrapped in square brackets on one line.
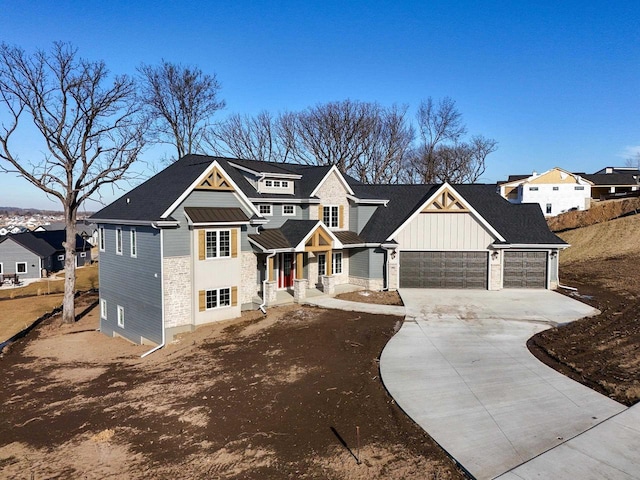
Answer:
[(460, 368)]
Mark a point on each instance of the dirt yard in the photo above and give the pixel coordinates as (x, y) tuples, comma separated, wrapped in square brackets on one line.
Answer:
[(269, 397), (601, 352), (370, 296)]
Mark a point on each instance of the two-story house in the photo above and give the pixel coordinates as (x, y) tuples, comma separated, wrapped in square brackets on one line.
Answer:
[(209, 237)]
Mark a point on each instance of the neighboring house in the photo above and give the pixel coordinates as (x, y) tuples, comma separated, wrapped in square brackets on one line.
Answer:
[(614, 182), (87, 230), (209, 237), (11, 230), (34, 254), (556, 191)]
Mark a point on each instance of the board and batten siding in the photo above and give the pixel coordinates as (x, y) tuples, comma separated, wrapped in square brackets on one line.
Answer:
[(177, 241), (12, 252), (444, 231), (133, 283)]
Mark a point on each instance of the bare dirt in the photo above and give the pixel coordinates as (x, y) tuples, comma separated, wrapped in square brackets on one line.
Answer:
[(269, 397), (599, 212), (371, 296), (602, 351)]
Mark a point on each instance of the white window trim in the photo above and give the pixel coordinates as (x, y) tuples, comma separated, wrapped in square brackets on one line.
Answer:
[(289, 214), (217, 256), (269, 214), (217, 290), (120, 316), (103, 308), (1, 268), (60, 257), (334, 270), (119, 241), (26, 270), (331, 216), (133, 243), (102, 241), (83, 254)]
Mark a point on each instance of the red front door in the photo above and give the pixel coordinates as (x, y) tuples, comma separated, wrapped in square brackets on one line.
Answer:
[(286, 271)]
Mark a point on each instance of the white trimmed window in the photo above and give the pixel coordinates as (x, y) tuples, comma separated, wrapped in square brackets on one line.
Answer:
[(322, 264), (288, 210), (83, 254), (330, 216), (119, 241), (579, 187), (548, 208), (60, 257), (134, 245), (101, 239), (337, 263), (120, 316), (268, 183), (218, 298), (218, 243), (533, 189), (21, 267), (555, 189), (266, 210), (1, 269), (103, 308)]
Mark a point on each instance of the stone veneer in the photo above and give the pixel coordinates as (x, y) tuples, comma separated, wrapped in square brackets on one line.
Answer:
[(177, 291), (248, 277), (332, 192), (495, 269), (368, 283)]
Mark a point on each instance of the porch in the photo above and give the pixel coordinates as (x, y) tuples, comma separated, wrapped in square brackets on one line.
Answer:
[(286, 297)]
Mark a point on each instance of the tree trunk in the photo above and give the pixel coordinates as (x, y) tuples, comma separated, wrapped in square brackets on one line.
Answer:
[(68, 304)]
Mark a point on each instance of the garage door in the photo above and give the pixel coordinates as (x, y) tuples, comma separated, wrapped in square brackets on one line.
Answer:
[(525, 269), (443, 269)]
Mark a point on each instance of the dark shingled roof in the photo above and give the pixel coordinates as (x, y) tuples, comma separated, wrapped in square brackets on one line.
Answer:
[(270, 239), (47, 243), (289, 235), (216, 215), (149, 200), (522, 224), (603, 179)]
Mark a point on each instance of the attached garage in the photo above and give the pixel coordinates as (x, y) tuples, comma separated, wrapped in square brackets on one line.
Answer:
[(445, 269), (525, 269)]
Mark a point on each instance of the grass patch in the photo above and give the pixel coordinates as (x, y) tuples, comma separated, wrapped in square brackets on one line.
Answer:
[(86, 279), (18, 314)]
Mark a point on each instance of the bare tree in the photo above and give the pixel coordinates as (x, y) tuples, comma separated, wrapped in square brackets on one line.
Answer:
[(633, 161), (181, 101), (255, 138), (90, 125), (441, 155)]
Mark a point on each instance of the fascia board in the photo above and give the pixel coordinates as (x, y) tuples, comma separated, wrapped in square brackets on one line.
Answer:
[(200, 179), (462, 200)]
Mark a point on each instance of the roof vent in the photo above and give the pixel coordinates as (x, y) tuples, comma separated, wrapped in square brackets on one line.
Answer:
[(128, 200)]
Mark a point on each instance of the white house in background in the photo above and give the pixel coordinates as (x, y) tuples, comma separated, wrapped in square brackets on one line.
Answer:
[(556, 191)]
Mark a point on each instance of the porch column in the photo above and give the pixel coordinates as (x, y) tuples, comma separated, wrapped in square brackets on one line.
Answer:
[(299, 266), (272, 273), (328, 263), (328, 280)]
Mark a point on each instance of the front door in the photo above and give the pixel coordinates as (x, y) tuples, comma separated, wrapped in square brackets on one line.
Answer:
[(285, 270)]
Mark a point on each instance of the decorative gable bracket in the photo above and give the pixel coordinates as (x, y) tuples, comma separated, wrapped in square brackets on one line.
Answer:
[(215, 181), (445, 201)]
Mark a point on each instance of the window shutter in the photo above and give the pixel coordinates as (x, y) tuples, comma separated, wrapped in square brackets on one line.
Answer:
[(320, 213), (234, 296), (202, 300), (341, 217), (201, 244), (234, 242)]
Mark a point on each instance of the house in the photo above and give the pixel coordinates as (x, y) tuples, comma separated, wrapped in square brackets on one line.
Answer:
[(35, 254), (84, 228), (556, 191), (614, 182), (11, 229), (209, 237)]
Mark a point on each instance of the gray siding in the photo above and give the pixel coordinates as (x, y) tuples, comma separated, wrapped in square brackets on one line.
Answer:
[(177, 240), (359, 216), (359, 262), (133, 283), (12, 252), (277, 219), (377, 263)]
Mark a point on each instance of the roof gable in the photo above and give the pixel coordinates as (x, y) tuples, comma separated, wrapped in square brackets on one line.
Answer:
[(343, 181)]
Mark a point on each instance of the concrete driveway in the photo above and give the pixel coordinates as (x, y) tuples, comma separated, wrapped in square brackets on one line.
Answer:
[(460, 368)]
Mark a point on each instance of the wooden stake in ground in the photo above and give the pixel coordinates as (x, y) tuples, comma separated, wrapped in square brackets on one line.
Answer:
[(358, 444)]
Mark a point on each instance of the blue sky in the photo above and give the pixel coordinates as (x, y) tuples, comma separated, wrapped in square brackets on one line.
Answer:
[(555, 82)]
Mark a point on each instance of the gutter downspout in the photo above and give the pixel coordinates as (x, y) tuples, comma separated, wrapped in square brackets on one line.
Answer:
[(385, 287), (264, 284), (164, 338)]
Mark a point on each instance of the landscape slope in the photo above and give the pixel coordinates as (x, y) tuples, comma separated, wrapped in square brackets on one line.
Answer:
[(603, 263)]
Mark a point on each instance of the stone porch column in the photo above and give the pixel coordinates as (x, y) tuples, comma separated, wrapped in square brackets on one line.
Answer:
[(328, 284), (270, 289), (299, 289)]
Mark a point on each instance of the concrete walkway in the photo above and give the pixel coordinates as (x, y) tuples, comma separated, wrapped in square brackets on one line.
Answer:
[(460, 368), (330, 302)]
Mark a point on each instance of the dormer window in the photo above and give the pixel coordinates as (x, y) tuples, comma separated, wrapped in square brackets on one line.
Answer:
[(268, 183)]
